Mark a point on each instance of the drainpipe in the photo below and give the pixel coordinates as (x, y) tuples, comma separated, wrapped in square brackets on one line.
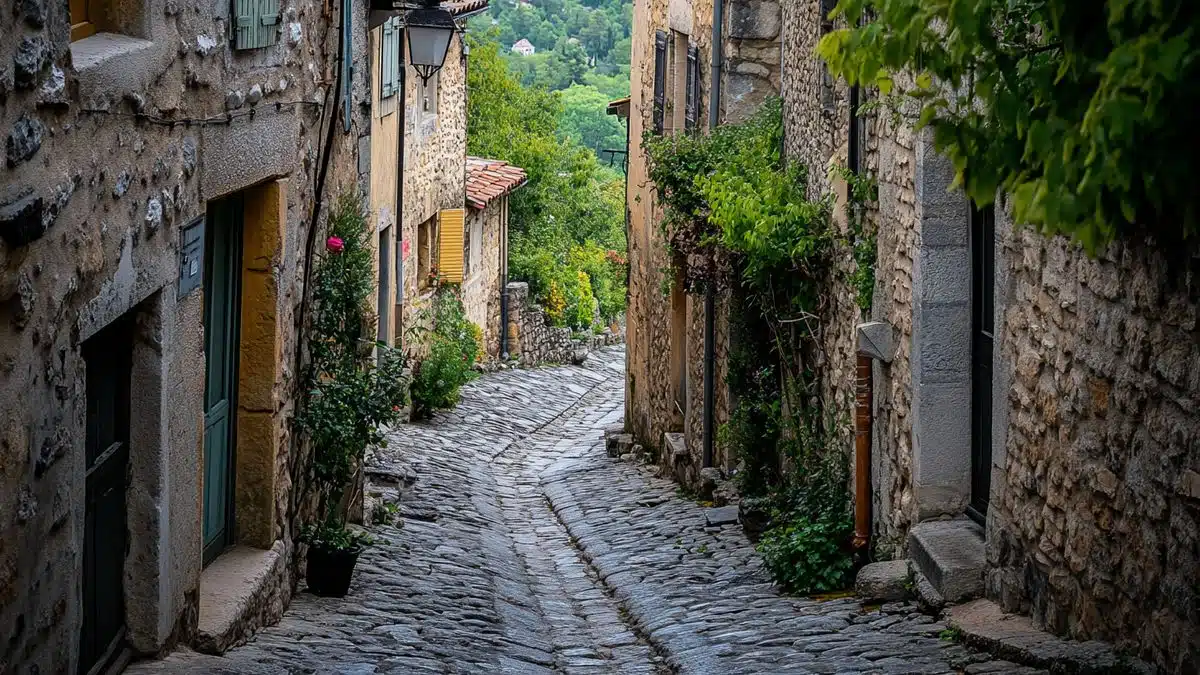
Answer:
[(862, 452), (714, 118)]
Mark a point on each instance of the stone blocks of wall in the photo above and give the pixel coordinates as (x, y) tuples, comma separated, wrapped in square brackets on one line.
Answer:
[(533, 341), (1095, 524)]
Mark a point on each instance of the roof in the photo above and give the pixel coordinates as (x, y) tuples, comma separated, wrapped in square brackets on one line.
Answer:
[(488, 179), (461, 7), (523, 42), (619, 107)]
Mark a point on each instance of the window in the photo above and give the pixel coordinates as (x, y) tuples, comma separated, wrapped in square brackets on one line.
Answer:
[(428, 93), (660, 80), (679, 75), (384, 301), (81, 21), (425, 251), (389, 60), (256, 23), (692, 108)]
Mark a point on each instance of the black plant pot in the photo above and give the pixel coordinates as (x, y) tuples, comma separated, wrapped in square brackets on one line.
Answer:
[(329, 570)]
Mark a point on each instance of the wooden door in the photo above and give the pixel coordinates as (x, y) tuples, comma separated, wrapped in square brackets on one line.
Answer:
[(108, 358), (222, 312)]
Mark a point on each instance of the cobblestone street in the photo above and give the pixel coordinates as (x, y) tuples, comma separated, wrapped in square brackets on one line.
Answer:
[(523, 548)]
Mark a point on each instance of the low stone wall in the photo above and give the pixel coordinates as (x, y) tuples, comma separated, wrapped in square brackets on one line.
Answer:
[(533, 341)]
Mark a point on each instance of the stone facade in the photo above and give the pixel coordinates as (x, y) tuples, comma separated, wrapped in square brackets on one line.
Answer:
[(114, 144), (665, 329), (487, 229), (1095, 521), (532, 341), (1092, 511)]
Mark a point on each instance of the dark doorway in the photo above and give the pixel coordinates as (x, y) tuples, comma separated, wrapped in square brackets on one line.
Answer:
[(108, 357), (385, 285), (983, 276), (222, 318)]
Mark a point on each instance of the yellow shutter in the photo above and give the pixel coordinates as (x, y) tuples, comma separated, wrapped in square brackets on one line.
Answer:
[(450, 245)]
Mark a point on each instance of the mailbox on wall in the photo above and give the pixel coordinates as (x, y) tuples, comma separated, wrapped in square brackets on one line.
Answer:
[(191, 256)]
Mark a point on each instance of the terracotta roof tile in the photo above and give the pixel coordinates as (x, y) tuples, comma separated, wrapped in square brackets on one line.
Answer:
[(488, 179), (458, 7)]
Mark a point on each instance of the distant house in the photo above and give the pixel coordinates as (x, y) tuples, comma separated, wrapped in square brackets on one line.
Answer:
[(485, 246), (524, 47)]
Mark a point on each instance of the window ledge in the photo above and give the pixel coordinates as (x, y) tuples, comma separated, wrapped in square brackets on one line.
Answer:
[(94, 50)]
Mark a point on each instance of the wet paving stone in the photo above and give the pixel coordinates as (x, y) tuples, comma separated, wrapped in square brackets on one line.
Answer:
[(521, 547)]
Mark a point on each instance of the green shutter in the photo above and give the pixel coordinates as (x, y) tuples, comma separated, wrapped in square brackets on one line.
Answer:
[(245, 24), (387, 68), (256, 23), (268, 28)]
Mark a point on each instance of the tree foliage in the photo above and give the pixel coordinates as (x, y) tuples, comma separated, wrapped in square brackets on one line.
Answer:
[(1080, 109), (571, 207), (585, 120)]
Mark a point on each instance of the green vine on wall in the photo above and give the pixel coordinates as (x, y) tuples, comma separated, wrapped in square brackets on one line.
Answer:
[(861, 192), (1081, 110), (731, 199)]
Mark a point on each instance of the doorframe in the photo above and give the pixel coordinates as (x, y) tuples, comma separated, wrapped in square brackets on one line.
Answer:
[(232, 204)]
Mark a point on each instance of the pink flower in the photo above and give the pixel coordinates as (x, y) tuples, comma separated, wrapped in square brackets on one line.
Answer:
[(335, 244)]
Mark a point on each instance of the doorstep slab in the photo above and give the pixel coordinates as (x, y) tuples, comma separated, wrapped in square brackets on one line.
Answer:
[(950, 554), (235, 591), (1015, 637)]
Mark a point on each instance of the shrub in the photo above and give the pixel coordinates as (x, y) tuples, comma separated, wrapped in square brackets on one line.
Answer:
[(350, 396), (452, 350), (807, 554)]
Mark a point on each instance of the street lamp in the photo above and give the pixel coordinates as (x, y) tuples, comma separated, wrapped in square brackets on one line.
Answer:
[(429, 28), (429, 31)]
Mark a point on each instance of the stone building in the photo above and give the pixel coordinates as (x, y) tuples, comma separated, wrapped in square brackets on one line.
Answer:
[(1033, 430), (485, 250), (431, 194), (671, 93), (164, 165)]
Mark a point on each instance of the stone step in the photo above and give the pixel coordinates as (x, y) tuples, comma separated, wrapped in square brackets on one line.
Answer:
[(950, 554), (236, 596), (983, 624)]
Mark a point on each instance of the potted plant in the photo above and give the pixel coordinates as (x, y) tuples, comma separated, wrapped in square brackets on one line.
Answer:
[(352, 394)]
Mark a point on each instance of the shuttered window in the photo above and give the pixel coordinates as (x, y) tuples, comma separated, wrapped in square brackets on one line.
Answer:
[(693, 88), (660, 80), (256, 23), (450, 245), (389, 58)]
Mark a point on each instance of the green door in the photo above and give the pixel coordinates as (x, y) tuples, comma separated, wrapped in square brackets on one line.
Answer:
[(222, 312), (108, 357)]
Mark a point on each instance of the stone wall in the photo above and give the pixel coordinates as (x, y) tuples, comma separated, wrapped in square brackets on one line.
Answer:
[(435, 151), (91, 210), (1095, 520), (655, 319), (481, 286), (532, 341)]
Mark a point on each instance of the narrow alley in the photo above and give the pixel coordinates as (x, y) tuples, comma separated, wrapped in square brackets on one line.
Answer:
[(523, 548)]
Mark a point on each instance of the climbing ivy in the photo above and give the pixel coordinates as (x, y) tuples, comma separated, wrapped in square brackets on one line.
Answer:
[(1081, 110), (730, 198)]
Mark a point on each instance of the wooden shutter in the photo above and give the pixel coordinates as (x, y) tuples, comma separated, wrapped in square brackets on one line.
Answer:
[(660, 80), (245, 24), (450, 245), (387, 60), (693, 88), (256, 23), (268, 22)]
